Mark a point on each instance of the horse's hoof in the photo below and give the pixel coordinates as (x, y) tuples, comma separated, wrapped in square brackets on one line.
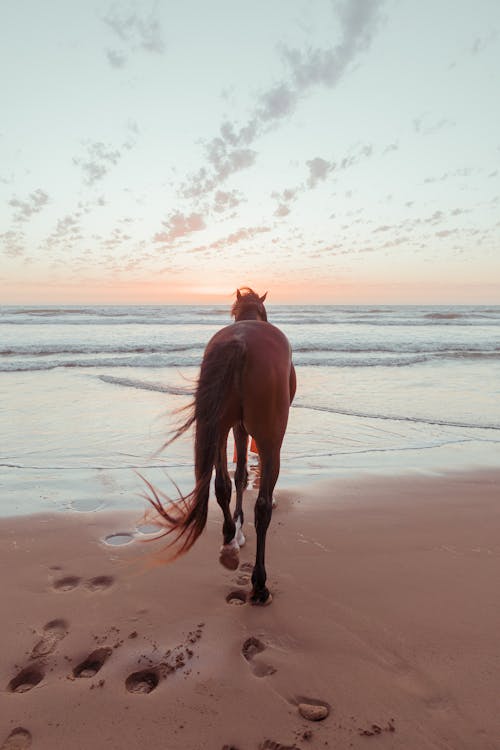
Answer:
[(260, 598), (229, 555)]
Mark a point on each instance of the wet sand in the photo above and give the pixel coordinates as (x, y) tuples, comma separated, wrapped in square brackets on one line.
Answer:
[(385, 616)]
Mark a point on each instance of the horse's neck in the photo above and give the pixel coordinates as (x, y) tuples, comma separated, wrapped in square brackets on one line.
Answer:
[(248, 315)]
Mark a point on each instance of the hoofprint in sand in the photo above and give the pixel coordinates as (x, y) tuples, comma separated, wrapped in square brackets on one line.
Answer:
[(384, 626)]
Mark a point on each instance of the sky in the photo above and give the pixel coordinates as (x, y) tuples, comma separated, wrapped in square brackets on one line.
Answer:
[(328, 152)]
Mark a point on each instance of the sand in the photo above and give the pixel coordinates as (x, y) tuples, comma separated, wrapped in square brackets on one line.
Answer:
[(385, 617)]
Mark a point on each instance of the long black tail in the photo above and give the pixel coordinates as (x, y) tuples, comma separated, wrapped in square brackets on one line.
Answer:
[(220, 374)]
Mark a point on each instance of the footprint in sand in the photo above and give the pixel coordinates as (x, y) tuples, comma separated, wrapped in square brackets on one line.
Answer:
[(100, 583), (53, 632), (93, 663), (27, 679), (143, 682), (244, 574), (68, 583), (273, 745), (18, 739), (242, 580), (237, 598), (250, 649)]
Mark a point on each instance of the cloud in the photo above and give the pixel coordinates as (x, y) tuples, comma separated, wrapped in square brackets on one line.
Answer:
[(244, 137), (26, 208), (68, 230), (115, 58), (423, 126), (285, 199), (224, 162), (224, 201), (136, 30), (358, 21), (179, 225), (436, 217), (97, 162), (13, 243), (244, 233), (319, 169), (481, 43), (391, 147), (282, 210), (445, 232), (278, 102), (228, 152)]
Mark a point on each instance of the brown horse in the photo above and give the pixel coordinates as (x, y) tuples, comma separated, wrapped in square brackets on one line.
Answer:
[(247, 383)]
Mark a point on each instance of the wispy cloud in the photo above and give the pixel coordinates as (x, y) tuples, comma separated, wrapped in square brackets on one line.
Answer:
[(424, 125), (97, 161), (319, 169), (136, 30), (229, 240), (225, 201), (68, 229), (481, 43), (284, 199), (229, 152), (358, 20), (179, 225), (24, 209), (13, 243), (116, 59), (223, 162)]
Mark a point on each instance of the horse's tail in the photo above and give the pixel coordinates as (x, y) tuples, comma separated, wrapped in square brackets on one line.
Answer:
[(186, 518)]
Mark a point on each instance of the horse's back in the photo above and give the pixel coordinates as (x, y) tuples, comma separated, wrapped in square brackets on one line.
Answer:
[(263, 385)]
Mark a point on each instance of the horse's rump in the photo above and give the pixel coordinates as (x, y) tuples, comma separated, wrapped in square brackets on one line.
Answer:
[(265, 381)]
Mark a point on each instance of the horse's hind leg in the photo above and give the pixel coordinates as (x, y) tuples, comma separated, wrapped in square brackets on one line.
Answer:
[(270, 463), (240, 478), (229, 553)]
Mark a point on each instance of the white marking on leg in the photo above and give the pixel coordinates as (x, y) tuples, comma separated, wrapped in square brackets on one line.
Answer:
[(274, 503), (239, 536)]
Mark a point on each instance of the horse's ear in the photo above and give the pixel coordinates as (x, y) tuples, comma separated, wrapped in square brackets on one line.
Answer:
[(238, 295), (263, 298)]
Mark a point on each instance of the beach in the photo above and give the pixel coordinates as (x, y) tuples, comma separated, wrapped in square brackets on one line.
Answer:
[(384, 615), (382, 554)]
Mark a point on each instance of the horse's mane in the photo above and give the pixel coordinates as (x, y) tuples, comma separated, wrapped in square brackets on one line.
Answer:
[(247, 299)]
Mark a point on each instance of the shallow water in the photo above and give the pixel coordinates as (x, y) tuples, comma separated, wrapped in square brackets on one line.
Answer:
[(87, 397)]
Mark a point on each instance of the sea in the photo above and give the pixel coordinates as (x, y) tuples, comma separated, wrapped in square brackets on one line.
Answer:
[(90, 394)]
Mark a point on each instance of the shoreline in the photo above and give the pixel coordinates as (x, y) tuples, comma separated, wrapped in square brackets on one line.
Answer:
[(384, 611)]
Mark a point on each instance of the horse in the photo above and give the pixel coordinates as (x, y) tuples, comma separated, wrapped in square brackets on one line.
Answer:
[(247, 383)]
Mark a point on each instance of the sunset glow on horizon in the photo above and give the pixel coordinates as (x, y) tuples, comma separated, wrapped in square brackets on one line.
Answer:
[(329, 153)]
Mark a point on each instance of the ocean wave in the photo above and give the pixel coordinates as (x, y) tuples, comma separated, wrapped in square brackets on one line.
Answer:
[(444, 316), (145, 385), (36, 350), (305, 315), (191, 357), (320, 348), (398, 418)]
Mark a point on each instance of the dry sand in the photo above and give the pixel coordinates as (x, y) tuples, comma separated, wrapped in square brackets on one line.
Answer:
[(386, 612)]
